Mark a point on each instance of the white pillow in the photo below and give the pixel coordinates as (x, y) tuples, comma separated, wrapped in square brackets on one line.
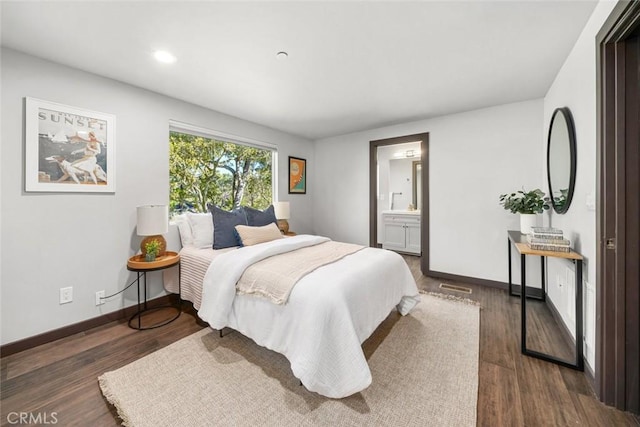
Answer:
[(201, 229), (184, 229), (253, 235)]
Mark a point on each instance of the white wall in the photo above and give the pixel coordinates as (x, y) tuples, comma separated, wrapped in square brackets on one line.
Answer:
[(50, 240), (473, 158), (575, 87)]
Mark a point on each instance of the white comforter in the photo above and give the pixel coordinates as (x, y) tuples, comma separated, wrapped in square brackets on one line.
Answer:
[(330, 312)]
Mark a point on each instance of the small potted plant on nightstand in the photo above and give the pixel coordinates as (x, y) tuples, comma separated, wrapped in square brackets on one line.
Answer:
[(526, 203), (151, 250)]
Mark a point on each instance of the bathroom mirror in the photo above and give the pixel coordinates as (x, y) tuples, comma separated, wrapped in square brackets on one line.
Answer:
[(417, 185), (401, 183), (561, 159)]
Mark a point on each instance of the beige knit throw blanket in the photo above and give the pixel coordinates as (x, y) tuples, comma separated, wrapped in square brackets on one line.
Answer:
[(275, 277)]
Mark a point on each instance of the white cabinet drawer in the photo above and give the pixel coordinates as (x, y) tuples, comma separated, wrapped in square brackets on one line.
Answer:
[(404, 219)]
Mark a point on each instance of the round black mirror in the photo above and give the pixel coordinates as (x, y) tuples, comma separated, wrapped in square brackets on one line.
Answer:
[(561, 159)]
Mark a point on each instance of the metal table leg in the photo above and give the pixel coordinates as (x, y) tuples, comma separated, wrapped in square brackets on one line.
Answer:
[(523, 304)]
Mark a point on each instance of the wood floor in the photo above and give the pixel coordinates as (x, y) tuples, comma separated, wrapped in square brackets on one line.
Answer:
[(59, 380)]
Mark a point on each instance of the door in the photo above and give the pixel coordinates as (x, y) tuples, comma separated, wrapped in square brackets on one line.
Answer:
[(618, 219), (412, 237)]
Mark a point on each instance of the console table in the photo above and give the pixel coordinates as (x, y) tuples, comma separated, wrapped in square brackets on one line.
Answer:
[(519, 241)]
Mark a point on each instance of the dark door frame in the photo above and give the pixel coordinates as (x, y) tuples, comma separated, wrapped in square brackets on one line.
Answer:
[(373, 191), (617, 288)]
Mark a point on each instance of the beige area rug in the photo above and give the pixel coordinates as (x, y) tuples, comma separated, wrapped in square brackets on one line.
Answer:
[(424, 367)]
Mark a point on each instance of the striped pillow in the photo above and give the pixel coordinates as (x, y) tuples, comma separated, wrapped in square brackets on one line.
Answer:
[(250, 236)]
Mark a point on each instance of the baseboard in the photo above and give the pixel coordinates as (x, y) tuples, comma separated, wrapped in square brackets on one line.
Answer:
[(531, 292), (467, 279), (591, 376), (65, 331), (569, 339), (566, 333)]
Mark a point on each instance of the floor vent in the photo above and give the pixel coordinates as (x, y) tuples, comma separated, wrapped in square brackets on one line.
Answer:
[(455, 288)]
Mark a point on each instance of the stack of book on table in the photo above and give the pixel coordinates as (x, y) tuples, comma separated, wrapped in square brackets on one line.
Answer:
[(548, 239)]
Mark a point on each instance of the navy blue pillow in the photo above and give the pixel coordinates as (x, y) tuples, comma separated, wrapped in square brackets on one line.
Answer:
[(224, 223), (256, 218)]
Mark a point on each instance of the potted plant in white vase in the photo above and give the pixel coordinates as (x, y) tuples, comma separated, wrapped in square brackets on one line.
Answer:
[(526, 203)]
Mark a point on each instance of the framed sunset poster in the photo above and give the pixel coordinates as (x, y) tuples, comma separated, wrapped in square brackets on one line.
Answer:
[(68, 149), (297, 175)]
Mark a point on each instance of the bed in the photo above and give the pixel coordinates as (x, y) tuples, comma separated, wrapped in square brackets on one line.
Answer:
[(327, 316)]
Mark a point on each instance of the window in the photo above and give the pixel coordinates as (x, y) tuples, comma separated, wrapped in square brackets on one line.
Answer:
[(205, 170)]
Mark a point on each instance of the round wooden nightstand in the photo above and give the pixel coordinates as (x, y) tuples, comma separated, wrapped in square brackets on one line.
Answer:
[(138, 264)]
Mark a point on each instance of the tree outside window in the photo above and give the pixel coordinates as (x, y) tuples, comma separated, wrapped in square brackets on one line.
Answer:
[(228, 175)]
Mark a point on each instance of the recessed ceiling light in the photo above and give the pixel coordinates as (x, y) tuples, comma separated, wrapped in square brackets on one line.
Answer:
[(282, 55), (164, 56)]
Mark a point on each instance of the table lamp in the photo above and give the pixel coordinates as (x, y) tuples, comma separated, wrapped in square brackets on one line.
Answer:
[(153, 222), (282, 215)]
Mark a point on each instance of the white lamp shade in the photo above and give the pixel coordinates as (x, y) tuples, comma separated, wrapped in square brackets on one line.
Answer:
[(282, 210), (153, 220)]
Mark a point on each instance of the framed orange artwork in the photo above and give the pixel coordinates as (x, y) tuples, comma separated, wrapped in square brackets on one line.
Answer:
[(297, 175)]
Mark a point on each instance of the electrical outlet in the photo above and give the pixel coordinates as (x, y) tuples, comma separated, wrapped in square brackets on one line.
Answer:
[(66, 295), (99, 297)]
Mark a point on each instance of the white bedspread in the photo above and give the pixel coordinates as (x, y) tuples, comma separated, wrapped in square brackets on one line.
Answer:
[(330, 312)]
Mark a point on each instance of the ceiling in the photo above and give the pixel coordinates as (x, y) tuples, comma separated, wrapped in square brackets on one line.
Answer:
[(352, 66)]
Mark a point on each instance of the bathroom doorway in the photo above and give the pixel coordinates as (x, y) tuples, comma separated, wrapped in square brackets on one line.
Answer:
[(399, 195)]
